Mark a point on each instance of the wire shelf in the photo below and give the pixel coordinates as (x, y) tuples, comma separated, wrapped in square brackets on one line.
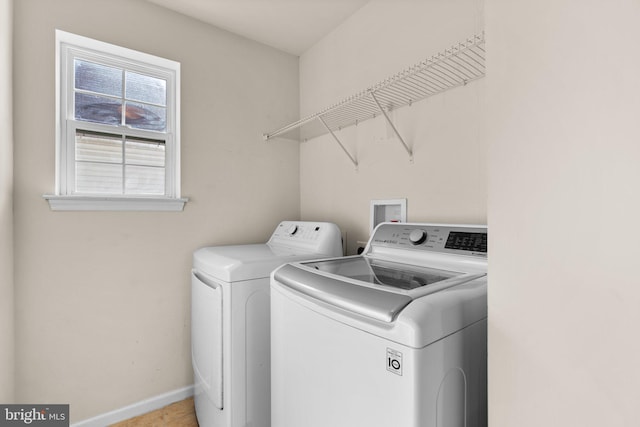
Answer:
[(448, 69)]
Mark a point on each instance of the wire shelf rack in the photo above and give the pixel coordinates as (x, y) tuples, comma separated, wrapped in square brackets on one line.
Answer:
[(453, 67)]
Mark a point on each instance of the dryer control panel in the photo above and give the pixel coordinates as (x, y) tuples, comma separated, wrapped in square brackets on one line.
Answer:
[(321, 237), (458, 239)]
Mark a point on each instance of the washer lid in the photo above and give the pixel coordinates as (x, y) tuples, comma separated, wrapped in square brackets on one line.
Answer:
[(373, 288), (383, 274), (245, 262), (374, 303)]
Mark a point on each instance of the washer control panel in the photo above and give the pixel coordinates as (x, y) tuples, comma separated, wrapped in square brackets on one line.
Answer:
[(459, 239)]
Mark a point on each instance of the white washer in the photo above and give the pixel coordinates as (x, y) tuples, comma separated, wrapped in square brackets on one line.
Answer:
[(230, 320), (394, 337)]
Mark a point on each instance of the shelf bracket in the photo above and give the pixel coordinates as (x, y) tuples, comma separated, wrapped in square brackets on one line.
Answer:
[(386, 116), (353, 160)]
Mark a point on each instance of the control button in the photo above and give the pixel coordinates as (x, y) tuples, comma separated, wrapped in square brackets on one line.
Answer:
[(293, 229), (417, 236)]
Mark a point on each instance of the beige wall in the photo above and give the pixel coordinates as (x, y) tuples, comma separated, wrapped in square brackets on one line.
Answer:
[(6, 208), (102, 298), (563, 97), (447, 180)]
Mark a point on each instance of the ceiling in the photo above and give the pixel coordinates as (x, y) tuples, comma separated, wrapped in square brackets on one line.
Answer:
[(289, 25)]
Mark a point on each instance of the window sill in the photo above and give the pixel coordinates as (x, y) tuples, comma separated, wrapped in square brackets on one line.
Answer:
[(98, 203)]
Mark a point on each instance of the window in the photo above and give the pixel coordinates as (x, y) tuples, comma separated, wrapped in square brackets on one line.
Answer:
[(118, 128)]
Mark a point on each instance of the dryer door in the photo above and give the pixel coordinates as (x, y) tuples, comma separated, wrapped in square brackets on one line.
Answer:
[(206, 337)]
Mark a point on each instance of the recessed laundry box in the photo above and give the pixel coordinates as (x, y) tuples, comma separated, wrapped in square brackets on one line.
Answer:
[(394, 337), (230, 320)]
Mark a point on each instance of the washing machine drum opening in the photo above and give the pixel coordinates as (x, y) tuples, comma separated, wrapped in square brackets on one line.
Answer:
[(383, 273)]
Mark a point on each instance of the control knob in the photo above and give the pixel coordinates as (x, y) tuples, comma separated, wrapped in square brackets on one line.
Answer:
[(417, 236), (293, 229)]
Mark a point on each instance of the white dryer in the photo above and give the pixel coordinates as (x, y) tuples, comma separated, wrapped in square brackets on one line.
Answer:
[(393, 337), (230, 320)]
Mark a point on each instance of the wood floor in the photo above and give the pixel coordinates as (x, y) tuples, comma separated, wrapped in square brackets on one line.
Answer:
[(179, 414)]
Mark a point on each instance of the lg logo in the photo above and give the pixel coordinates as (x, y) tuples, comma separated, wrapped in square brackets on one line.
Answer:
[(394, 364), (394, 361)]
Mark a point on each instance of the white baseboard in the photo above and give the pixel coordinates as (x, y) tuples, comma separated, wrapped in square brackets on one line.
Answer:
[(136, 409)]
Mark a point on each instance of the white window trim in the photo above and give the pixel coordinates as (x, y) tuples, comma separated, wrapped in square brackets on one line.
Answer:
[(67, 45), (97, 203)]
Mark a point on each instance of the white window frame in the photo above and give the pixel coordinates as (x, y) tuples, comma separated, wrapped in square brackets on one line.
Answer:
[(70, 47)]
